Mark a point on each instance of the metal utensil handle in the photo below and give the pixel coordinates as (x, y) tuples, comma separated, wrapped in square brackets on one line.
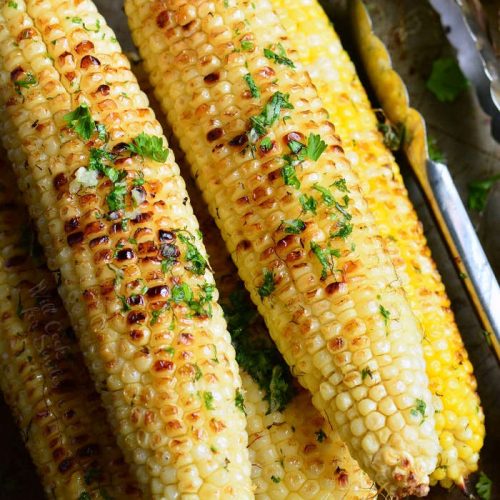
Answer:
[(480, 282)]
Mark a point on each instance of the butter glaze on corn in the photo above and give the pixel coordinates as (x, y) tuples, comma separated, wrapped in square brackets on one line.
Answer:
[(183, 433), (459, 417), (329, 330), (43, 377)]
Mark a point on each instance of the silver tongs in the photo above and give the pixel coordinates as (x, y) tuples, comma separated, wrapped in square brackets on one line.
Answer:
[(434, 177), (475, 55)]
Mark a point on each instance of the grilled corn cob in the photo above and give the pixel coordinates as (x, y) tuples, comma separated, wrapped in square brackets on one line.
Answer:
[(294, 452), (116, 222), (459, 417), (44, 379), (254, 132)]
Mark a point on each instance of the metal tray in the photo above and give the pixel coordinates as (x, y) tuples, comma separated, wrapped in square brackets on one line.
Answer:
[(413, 33)]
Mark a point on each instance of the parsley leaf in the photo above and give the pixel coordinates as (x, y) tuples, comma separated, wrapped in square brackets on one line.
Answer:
[(315, 147), (256, 353), (327, 196), (343, 231), (386, 314), (484, 486), (446, 81), (279, 58), (198, 264), (275, 479), (288, 173), (208, 399), (270, 114), (419, 409), (393, 135), (435, 154), (239, 401), (293, 226), (28, 81), (81, 121), (308, 203), (116, 198), (266, 144), (149, 146), (268, 286), (478, 192), (96, 163), (341, 185), (366, 372), (325, 257), (12, 5), (254, 90), (247, 45)]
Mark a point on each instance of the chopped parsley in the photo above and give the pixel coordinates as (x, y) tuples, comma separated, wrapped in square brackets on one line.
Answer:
[(446, 80), (293, 226), (326, 194), (256, 353), (254, 90), (116, 198), (435, 154), (81, 121), (343, 231), (308, 203), (269, 115), (149, 146), (268, 286), (279, 57), (28, 81), (385, 313), (101, 132), (199, 307), (198, 264), (208, 399), (325, 257), (239, 401), (96, 162), (393, 135), (197, 372), (12, 5), (320, 436), (479, 191), (169, 350), (289, 174), (275, 479), (315, 147), (341, 185), (366, 372), (419, 409), (247, 45), (484, 486), (266, 144)]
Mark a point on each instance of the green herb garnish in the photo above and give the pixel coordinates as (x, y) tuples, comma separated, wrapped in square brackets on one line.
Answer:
[(268, 116), (81, 121), (198, 264), (393, 135), (479, 191), (419, 409), (326, 194), (279, 57), (325, 257), (366, 372), (293, 226), (386, 314), (254, 90), (208, 399), (308, 203), (289, 174), (247, 45), (239, 401), (446, 81), (320, 436), (149, 146), (268, 286), (275, 479), (484, 486)]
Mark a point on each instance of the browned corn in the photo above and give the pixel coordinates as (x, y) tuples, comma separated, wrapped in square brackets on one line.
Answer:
[(342, 322), (134, 275), (43, 377), (460, 419)]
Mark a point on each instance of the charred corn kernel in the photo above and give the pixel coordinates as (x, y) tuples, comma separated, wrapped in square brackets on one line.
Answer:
[(116, 223), (291, 212), (43, 376), (295, 454), (451, 378)]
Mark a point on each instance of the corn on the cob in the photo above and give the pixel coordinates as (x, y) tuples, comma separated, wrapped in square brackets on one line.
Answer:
[(290, 457), (43, 376), (293, 450), (459, 417), (116, 222), (298, 229)]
